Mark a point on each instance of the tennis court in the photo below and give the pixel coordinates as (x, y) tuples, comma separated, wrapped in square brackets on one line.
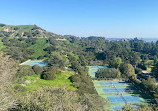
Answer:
[(112, 84), (116, 108), (41, 63), (117, 90), (94, 69), (124, 99)]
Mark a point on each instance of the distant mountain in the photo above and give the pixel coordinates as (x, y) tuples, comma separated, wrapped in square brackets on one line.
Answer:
[(150, 39), (25, 31)]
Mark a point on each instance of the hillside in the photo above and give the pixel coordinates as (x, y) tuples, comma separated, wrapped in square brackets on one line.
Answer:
[(25, 31), (68, 57), (39, 47)]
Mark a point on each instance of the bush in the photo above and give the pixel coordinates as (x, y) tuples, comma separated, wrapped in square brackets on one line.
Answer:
[(57, 60), (40, 57), (37, 69), (143, 67), (83, 83), (8, 97), (138, 70), (20, 88), (24, 70), (49, 73), (60, 99)]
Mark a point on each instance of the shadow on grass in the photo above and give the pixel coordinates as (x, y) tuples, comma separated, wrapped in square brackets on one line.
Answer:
[(137, 92)]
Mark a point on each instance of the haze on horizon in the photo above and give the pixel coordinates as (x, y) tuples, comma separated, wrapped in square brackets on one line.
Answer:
[(108, 18)]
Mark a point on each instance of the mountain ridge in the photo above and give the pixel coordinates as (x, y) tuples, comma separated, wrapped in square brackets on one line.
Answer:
[(24, 31)]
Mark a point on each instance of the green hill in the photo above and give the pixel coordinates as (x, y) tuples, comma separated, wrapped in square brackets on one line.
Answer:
[(41, 44), (25, 31)]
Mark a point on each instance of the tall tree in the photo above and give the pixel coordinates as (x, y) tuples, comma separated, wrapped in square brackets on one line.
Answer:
[(116, 62), (127, 69)]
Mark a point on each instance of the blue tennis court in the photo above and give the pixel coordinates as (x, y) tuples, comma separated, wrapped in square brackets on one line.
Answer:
[(101, 67), (41, 63), (123, 99), (116, 108), (97, 67), (110, 90), (93, 66), (112, 84), (115, 99), (132, 99), (116, 90)]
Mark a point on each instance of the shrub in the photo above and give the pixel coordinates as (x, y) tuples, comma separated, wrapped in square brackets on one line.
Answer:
[(60, 99), (37, 69), (24, 70), (138, 70), (7, 97), (143, 67), (108, 73), (49, 73), (57, 60), (20, 88)]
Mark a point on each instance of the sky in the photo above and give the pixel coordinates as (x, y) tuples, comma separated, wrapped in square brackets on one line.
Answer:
[(108, 18)]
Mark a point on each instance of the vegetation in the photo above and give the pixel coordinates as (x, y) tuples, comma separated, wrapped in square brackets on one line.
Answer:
[(7, 97), (24, 71), (108, 73), (60, 99), (39, 47), (65, 79), (37, 69), (32, 83)]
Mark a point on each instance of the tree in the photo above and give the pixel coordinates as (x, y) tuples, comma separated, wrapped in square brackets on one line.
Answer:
[(127, 69), (134, 59), (116, 62), (57, 60), (24, 70), (49, 73), (138, 70), (108, 73), (155, 70), (82, 60), (37, 69), (50, 48), (61, 99)]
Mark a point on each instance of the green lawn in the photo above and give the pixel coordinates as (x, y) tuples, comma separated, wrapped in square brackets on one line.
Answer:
[(39, 46), (61, 81)]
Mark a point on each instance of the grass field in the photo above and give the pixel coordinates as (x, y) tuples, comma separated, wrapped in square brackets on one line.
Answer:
[(39, 46), (34, 82)]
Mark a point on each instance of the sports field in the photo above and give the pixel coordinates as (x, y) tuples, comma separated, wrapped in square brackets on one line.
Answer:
[(119, 93), (93, 69), (41, 63)]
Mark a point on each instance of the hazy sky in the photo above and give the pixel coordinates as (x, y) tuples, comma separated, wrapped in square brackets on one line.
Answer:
[(108, 18)]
